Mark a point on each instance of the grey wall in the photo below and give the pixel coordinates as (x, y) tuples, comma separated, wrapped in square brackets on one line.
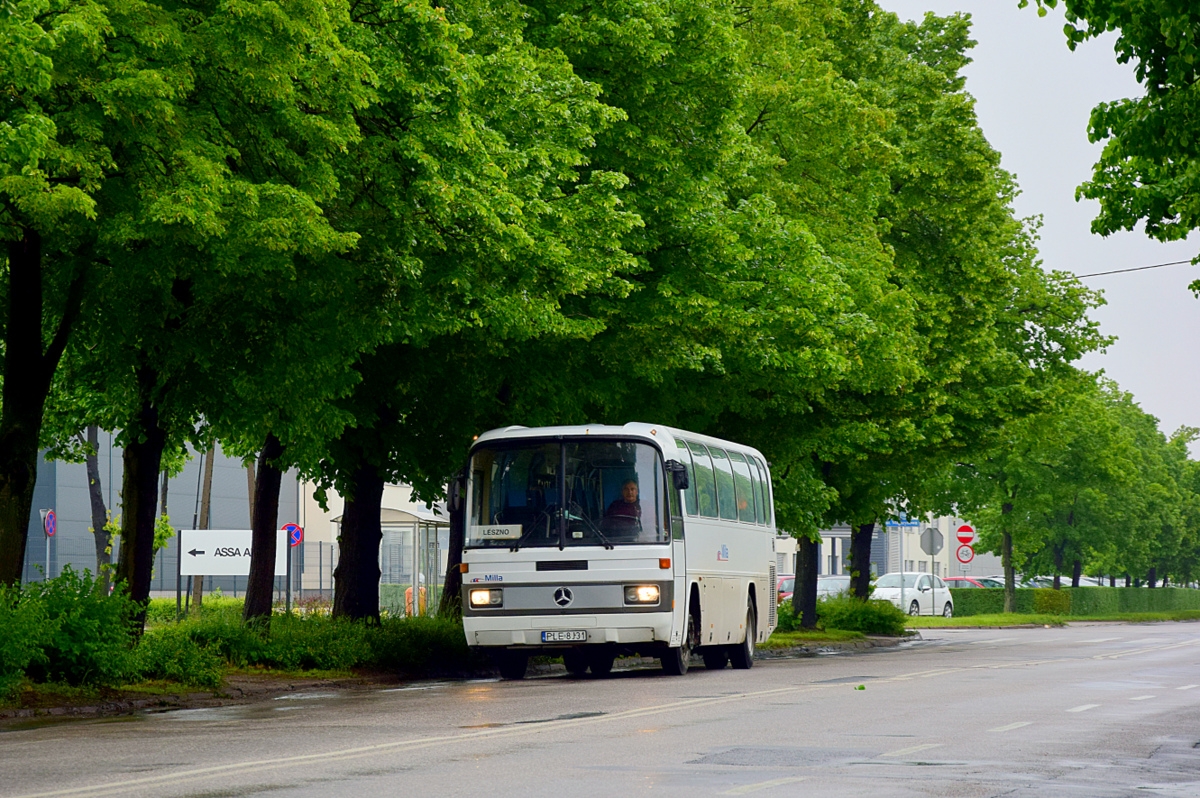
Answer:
[(63, 487)]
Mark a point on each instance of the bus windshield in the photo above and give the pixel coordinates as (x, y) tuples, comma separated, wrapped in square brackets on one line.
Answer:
[(568, 493)]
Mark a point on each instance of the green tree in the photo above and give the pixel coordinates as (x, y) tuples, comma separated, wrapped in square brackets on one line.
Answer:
[(1146, 173)]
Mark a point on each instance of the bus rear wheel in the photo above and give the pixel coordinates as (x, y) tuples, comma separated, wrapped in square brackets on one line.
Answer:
[(742, 656), (715, 657)]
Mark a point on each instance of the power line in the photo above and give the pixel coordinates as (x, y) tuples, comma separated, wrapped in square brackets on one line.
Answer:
[(1134, 269)]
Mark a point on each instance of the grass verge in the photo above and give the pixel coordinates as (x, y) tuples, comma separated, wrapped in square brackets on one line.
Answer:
[(995, 619), (803, 638)]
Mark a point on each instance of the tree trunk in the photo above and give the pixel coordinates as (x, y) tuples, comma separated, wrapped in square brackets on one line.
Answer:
[(1128, 580), (860, 560), (99, 511), (1152, 576), (451, 601), (1112, 580), (804, 595), (1006, 557), (356, 578), (28, 371), (139, 495), (264, 538), (1058, 566), (1076, 572), (205, 518)]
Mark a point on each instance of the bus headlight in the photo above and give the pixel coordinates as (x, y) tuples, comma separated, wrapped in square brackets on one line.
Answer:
[(641, 594), (493, 597)]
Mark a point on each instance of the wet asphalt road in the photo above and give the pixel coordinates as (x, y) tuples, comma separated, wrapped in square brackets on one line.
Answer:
[(1096, 710)]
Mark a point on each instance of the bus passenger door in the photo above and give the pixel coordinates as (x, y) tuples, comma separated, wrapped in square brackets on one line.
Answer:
[(678, 571)]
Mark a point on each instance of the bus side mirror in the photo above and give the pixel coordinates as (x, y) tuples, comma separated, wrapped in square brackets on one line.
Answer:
[(679, 475)]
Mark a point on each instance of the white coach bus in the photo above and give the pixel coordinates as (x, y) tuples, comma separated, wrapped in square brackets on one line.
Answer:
[(591, 542)]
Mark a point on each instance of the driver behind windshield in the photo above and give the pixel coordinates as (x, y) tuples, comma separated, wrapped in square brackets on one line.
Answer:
[(627, 504)]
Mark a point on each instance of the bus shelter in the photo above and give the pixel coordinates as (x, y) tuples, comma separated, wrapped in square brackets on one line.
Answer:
[(412, 561)]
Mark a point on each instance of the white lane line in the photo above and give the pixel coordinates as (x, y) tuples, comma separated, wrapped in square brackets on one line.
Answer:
[(1187, 687), (1101, 640), (1083, 708), (746, 789), (912, 749), (994, 640), (1011, 726), (1141, 697)]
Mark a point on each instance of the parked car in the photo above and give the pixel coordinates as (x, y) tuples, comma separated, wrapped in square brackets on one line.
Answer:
[(785, 586), (973, 581), (916, 593), (832, 585)]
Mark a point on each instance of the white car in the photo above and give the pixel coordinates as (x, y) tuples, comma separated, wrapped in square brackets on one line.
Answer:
[(922, 594)]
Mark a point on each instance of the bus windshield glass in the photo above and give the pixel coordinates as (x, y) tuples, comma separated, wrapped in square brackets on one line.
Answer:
[(569, 493)]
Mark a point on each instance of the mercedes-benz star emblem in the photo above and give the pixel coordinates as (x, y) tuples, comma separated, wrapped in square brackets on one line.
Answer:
[(563, 596)]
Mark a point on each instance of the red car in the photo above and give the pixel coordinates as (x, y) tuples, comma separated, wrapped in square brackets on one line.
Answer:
[(971, 581), (785, 587)]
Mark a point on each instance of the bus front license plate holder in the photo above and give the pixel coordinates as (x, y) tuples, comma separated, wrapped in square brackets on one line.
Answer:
[(565, 636)]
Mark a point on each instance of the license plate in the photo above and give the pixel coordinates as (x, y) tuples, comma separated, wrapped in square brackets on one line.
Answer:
[(566, 636)]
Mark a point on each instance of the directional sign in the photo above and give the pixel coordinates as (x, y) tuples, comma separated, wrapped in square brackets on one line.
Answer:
[(965, 554), (223, 552), (49, 523), (932, 541), (966, 535), (295, 533)]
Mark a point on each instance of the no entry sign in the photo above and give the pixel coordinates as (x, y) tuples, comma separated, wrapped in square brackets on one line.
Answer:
[(966, 535)]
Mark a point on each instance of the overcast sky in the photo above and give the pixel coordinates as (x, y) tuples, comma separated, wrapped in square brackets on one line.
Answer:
[(1033, 98)]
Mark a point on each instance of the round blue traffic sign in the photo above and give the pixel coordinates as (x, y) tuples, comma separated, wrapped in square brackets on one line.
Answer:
[(50, 524), (295, 533)]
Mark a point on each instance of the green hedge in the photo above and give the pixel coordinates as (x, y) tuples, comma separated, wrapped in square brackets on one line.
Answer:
[(1076, 600)]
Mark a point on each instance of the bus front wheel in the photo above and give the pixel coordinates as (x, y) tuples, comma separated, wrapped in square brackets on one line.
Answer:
[(676, 660), (742, 656)]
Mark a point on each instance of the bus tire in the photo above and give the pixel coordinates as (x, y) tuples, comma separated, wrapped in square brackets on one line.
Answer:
[(677, 658), (576, 662), (741, 656), (512, 664), (715, 657)]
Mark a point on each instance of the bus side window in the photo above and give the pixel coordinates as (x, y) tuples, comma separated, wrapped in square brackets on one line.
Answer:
[(744, 487), (766, 491), (706, 486), (756, 478), (726, 501), (689, 495)]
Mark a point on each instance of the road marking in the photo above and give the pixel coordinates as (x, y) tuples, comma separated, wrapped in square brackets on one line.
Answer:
[(1187, 687), (763, 785), (994, 640), (913, 749), (1011, 726), (1101, 640), (1146, 650), (1141, 697), (1083, 708)]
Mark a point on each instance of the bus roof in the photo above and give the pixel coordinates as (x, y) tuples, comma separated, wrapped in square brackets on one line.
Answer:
[(634, 429)]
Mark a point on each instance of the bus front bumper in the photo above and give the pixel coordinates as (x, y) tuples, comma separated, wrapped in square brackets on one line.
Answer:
[(615, 628)]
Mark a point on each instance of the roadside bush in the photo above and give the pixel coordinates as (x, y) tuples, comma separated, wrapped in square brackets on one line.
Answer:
[(169, 653), (423, 646), (788, 622), (298, 643), (1094, 600), (86, 633), (1047, 601), (22, 633), (872, 617), (976, 601)]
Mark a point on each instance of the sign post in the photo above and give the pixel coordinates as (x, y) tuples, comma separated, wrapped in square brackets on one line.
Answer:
[(49, 526), (295, 534)]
